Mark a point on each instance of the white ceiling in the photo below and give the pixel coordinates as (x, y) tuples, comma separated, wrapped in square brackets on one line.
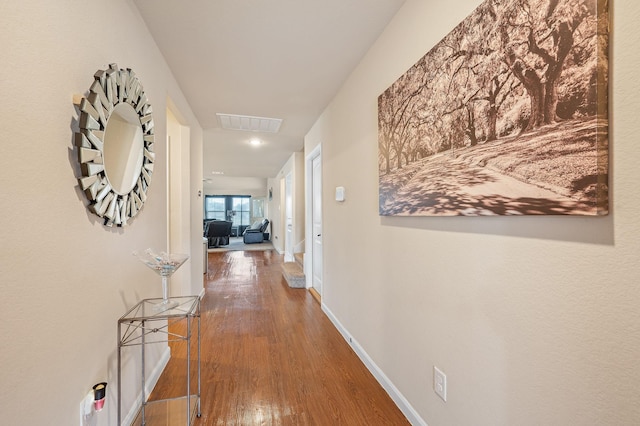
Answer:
[(268, 58)]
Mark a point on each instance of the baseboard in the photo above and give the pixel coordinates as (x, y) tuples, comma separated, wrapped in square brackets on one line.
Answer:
[(150, 383), (410, 413), (316, 295)]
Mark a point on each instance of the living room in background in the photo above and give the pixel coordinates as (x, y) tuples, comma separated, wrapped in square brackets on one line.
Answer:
[(234, 208)]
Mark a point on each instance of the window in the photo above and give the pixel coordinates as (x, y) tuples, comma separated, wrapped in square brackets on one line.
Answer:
[(214, 208), (236, 208), (240, 211)]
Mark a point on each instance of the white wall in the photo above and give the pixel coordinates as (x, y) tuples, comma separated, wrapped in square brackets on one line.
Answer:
[(226, 185), (295, 166), (298, 202), (66, 279), (182, 193), (275, 214), (535, 320), (187, 279)]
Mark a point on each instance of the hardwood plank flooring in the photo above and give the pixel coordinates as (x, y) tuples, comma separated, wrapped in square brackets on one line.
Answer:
[(270, 356)]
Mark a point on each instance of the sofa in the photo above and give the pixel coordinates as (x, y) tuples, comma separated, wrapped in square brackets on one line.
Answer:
[(256, 233), (218, 232)]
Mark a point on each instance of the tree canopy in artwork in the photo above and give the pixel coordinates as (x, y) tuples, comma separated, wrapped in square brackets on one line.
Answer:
[(512, 66)]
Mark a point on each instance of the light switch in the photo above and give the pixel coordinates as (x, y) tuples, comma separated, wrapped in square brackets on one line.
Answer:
[(340, 193), (440, 383)]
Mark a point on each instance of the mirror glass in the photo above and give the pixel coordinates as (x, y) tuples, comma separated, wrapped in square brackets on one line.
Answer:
[(123, 148)]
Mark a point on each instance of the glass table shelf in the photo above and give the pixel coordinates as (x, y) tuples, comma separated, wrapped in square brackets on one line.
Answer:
[(143, 325), (168, 412)]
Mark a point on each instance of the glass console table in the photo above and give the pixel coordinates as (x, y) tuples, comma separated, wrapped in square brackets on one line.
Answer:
[(143, 325)]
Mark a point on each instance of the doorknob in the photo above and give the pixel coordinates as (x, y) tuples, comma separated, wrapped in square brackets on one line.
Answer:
[(319, 235)]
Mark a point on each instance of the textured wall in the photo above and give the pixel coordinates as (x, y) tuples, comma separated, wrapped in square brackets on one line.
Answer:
[(534, 320), (66, 279)]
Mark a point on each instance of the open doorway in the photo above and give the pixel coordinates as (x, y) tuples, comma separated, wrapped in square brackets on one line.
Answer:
[(178, 205)]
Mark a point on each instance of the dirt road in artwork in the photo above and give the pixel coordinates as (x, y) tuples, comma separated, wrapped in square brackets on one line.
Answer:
[(449, 186), (559, 169)]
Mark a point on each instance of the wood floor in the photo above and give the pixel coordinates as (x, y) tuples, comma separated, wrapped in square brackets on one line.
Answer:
[(270, 356)]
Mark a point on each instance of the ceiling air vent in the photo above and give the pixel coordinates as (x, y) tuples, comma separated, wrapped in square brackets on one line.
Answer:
[(248, 123)]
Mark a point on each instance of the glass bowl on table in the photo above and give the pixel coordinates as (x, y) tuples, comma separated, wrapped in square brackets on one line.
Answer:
[(164, 264)]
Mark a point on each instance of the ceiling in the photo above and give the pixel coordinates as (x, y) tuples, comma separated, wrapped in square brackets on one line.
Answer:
[(282, 59)]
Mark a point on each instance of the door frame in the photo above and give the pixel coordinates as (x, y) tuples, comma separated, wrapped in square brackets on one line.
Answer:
[(308, 200), (289, 218), (178, 206)]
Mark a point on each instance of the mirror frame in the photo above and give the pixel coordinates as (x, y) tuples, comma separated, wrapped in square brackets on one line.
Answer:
[(110, 88)]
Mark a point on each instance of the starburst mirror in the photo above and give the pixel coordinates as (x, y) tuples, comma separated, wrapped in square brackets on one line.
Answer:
[(115, 145)]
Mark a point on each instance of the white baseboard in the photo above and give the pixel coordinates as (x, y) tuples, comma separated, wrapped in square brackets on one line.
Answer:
[(402, 403), (150, 383)]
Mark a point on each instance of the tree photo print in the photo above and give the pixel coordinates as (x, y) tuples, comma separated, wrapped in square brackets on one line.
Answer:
[(507, 115)]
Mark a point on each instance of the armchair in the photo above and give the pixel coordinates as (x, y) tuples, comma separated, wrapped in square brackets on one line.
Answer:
[(256, 232), (218, 233)]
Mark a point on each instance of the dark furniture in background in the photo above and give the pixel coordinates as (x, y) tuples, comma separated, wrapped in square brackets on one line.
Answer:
[(218, 232), (256, 233)]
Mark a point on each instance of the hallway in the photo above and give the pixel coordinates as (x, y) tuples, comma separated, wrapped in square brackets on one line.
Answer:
[(270, 356)]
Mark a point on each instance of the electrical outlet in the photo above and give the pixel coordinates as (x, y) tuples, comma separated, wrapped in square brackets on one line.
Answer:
[(440, 383)]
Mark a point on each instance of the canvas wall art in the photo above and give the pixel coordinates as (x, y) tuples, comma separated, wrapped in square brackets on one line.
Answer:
[(507, 115)]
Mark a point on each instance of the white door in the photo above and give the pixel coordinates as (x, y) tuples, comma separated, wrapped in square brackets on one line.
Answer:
[(288, 214), (316, 218)]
